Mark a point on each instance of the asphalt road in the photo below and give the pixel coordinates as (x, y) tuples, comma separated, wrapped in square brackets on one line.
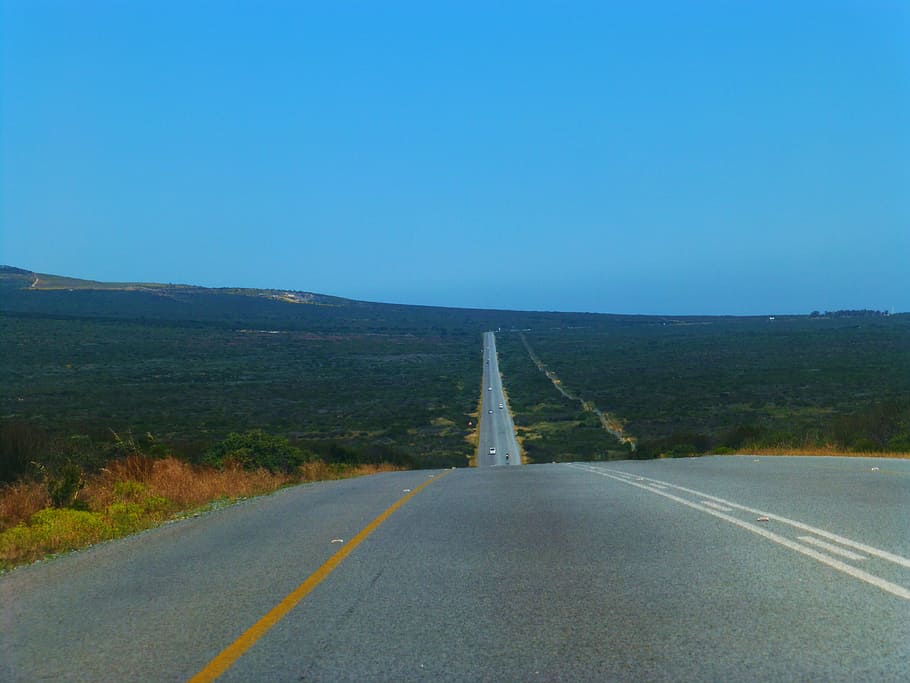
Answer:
[(628, 571), (497, 430)]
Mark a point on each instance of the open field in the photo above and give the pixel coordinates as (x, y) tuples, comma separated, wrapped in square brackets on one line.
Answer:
[(402, 396), (689, 386), (349, 381), (359, 382)]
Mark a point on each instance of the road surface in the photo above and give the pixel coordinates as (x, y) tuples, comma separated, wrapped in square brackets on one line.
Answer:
[(630, 571), (497, 430)]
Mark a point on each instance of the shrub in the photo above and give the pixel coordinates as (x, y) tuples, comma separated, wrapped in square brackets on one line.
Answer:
[(135, 468), (741, 436), (19, 501), (64, 487), (865, 445), (129, 491), (50, 531), (20, 444), (255, 449), (683, 450), (125, 517)]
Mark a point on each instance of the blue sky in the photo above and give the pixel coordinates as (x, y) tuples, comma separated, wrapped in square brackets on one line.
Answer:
[(661, 157)]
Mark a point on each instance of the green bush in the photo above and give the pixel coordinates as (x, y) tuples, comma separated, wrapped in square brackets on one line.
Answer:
[(741, 436), (125, 517), (129, 491), (64, 487), (134, 509), (54, 530), (684, 450), (255, 449), (865, 445)]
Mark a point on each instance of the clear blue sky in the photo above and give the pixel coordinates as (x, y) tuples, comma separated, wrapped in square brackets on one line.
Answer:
[(629, 157)]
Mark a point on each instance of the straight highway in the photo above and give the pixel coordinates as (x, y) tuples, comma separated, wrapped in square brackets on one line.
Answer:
[(722, 568), (497, 444)]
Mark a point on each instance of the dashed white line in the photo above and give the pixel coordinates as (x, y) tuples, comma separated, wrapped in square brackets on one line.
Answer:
[(832, 562), (722, 508), (831, 548), (862, 547)]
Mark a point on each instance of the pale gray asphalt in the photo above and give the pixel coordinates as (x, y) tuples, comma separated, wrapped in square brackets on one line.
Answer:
[(542, 572), (496, 428)]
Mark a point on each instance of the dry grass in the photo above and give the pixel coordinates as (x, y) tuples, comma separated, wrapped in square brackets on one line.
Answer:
[(820, 450), (19, 501), (473, 435), (131, 468), (320, 471), (181, 484), (135, 493)]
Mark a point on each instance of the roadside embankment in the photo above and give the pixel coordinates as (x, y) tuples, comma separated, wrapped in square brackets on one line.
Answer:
[(39, 518)]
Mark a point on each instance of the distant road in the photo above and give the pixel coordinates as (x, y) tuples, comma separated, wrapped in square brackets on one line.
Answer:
[(496, 427), (626, 571)]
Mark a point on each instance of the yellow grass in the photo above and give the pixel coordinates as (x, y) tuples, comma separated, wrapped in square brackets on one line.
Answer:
[(131, 494), (473, 436), (19, 501)]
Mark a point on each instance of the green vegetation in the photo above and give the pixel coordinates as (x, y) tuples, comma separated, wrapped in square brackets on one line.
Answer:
[(254, 450), (69, 382), (551, 427), (63, 488), (132, 493), (690, 386), (350, 383)]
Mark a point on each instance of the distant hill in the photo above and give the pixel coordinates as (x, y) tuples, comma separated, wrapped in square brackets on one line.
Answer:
[(19, 278), (24, 292)]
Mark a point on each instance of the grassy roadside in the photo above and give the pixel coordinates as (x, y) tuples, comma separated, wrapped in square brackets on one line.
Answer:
[(823, 451), (133, 494)]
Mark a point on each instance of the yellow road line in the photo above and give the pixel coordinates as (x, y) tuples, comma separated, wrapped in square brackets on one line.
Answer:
[(223, 661)]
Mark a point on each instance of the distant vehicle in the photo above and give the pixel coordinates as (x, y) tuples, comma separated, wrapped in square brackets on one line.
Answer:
[(490, 411), (493, 451), (489, 388), (501, 406), (507, 456)]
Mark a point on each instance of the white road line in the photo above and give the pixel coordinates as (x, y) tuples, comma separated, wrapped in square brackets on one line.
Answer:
[(659, 486), (831, 548), (716, 506), (832, 562), (868, 549)]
